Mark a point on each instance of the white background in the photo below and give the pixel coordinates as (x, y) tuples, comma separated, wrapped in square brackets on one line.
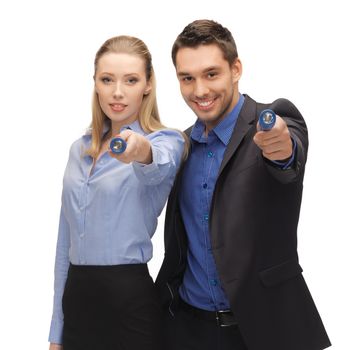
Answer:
[(293, 49)]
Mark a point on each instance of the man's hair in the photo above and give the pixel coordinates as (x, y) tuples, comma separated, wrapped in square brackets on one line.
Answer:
[(206, 32)]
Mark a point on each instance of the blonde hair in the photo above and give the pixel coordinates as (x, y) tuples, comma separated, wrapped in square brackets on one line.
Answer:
[(149, 115)]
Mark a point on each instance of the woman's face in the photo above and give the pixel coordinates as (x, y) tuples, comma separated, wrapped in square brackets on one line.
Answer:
[(120, 83)]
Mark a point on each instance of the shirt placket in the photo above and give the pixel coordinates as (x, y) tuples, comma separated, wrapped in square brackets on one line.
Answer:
[(207, 188), (83, 201)]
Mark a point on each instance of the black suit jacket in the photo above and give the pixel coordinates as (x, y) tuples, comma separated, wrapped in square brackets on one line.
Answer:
[(253, 226)]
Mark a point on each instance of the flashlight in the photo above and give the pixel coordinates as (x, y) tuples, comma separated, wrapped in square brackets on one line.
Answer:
[(118, 145), (267, 119)]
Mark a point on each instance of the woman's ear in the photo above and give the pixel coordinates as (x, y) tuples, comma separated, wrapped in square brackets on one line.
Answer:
[(95, 88), (148, 89)]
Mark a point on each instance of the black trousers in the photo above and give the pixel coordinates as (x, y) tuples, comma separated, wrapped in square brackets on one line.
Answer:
[(185, 331), (111, 308)]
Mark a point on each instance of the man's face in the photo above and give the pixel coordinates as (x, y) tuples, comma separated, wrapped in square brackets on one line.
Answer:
[(209, 85)]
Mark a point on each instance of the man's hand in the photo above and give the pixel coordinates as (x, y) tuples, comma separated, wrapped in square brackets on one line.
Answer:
[(276, 143), (53, 346), (138, 148)]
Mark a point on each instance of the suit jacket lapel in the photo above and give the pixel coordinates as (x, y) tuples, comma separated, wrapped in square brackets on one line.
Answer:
[(244, 123)]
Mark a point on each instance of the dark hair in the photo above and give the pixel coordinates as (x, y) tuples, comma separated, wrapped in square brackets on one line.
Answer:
[(206, 32)]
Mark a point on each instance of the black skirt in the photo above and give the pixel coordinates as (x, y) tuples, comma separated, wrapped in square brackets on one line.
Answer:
[(111, 308)]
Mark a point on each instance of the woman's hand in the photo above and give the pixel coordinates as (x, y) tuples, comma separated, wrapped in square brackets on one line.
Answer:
[(138, 148)]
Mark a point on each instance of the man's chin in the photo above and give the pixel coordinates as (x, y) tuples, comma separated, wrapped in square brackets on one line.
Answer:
[(205, 118)]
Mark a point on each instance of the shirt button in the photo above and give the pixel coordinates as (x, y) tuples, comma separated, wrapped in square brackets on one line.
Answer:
[(81, 235), (206, 217), (213, 282), (210, 154), (204, 185)]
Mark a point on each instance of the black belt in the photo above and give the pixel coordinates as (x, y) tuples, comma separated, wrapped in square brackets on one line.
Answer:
[(223, 318)]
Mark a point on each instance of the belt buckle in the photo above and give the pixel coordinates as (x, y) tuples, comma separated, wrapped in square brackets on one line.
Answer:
[(219, 318)]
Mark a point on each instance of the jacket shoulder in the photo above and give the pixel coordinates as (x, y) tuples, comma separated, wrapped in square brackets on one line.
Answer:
[(282, 107)]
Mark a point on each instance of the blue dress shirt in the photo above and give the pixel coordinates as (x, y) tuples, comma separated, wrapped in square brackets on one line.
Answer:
[(201, 285), (109, 212)]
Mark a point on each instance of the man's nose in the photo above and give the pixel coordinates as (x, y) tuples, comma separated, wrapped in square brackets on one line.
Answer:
[(201, 90)]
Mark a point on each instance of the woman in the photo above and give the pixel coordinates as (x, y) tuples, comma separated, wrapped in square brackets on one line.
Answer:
[(104, 296)]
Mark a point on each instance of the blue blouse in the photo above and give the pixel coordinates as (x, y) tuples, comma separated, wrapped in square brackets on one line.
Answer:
[(109, 212)]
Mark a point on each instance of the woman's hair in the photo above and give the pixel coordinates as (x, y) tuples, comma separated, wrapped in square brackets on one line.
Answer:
[(206, 32), (149, 115)]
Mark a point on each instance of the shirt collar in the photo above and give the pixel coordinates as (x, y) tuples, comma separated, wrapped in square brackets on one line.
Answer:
[(134, 126), (223, 129)]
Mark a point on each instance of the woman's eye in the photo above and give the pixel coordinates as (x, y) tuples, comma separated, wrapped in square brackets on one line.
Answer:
[(106, 80), (132, 80)]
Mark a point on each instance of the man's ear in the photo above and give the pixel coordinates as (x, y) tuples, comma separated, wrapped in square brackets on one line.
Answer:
[(236, 69)]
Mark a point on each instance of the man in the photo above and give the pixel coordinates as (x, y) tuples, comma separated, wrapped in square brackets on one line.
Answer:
[(230, 277)]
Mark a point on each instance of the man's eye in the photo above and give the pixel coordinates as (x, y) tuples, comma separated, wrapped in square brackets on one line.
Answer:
[(211, 75), (187, 79)]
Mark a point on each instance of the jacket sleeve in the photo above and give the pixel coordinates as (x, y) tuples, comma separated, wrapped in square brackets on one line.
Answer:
[(298, 131)]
